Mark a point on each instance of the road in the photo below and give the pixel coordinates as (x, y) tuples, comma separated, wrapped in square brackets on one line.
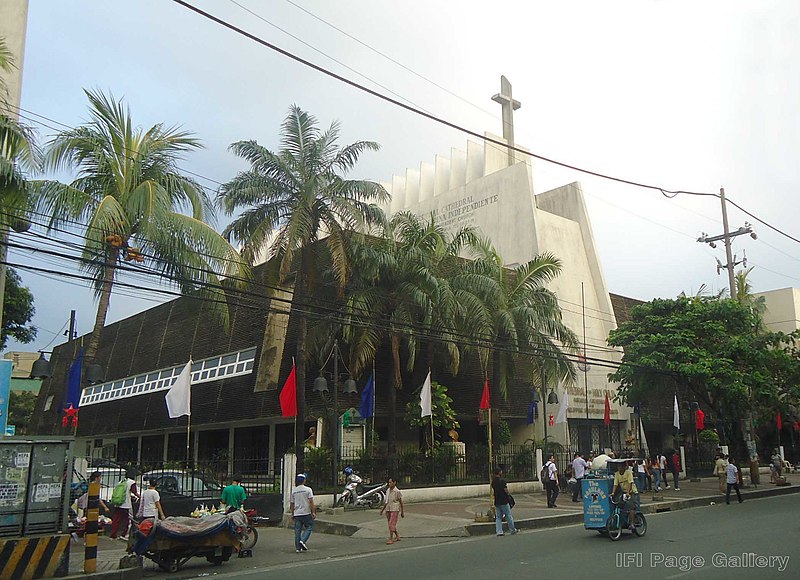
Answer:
[(717, 541)]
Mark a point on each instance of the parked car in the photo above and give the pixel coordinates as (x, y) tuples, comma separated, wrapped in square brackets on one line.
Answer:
[(181, 491)]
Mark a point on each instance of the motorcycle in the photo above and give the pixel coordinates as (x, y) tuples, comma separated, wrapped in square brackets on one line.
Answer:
[(357, 494)]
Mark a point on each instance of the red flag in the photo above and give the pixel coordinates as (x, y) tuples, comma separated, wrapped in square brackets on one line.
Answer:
[(779, 421), (797, 426), (485, 403), (607, 413), (289, 395), (700, 419)]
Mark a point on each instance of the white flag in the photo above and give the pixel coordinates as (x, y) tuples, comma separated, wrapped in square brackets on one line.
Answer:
[(179, 397), (425, 397), (676, 415), (562, 408), (643, 439)]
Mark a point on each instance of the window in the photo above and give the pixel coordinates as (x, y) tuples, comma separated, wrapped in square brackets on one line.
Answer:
[(213, 368)]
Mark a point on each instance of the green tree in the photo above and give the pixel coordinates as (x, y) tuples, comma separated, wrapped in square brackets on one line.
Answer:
[(444, 416), (401, 283), (704, 349), (129, 195), (522, 314), (18, 311), (20, 410), (291, 199)]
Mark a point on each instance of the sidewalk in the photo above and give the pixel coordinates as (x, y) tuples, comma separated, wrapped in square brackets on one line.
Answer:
[(456, 518)]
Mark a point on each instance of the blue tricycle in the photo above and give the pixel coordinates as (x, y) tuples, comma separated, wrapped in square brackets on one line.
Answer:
[(604, 513)]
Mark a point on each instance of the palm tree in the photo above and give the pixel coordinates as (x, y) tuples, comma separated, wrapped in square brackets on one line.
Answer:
[(129, 194), (19, 156), (292, 198), (524, 315), (402, 283)]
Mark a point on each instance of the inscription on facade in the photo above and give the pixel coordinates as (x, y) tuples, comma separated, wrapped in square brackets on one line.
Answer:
[(461, 212)]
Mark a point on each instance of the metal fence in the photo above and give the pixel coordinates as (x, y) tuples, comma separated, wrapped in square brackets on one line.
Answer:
[(259, 476), (443, 465)]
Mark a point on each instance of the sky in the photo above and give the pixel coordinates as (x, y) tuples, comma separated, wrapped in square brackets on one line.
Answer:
[(680, 94)]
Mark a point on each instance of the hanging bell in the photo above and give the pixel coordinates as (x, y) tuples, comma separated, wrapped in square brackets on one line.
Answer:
[(350, 387), (94, 374), (41, 368), (552, 398), (320, 385)]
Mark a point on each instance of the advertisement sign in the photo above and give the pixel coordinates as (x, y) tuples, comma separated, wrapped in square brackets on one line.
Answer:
[(5, 389)]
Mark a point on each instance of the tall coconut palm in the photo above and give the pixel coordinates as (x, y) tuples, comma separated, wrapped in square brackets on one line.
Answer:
[(524, 314), (19, 157), (402, 285), (129, 195), (291, 199)]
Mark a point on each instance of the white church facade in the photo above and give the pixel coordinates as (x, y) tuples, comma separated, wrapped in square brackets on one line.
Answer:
[(490, 187)]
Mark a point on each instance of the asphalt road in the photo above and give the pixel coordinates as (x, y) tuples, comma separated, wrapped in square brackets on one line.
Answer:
[(719, 541)]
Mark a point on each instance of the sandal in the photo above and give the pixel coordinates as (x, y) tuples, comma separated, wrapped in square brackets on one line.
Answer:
[(390, 542)]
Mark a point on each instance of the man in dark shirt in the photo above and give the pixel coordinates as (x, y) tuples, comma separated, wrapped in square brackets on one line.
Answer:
[(501, 503)]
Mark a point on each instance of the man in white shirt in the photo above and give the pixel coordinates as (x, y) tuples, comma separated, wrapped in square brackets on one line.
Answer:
[(150, 504), (662, 465), (552, 481), (579, 467), (303, 511)]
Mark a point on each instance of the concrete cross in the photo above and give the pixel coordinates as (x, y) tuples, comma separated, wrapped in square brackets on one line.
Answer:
[(509, 106)]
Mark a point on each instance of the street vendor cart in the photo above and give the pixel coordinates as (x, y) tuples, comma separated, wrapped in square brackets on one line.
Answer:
[(170, 543), (600, 512)]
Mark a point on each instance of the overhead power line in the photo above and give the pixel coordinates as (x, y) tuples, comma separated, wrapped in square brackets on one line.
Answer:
[(420, 112)]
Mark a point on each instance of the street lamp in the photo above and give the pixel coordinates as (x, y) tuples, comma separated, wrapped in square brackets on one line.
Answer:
[(551, 398), (349, 388)]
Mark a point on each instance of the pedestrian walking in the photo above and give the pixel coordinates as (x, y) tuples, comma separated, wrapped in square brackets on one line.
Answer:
[(641, 475), (303, 512), (655, 469), (579, 467), (719, 470), (121, 520), (233, 495), (551, 481), (676, 469), (732, 478), (662, 465), (393, 507), (776, 466), (150, 504), (502, 503)]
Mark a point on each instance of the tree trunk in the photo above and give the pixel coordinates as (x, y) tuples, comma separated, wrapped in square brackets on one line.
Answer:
[(397, 383), (302, 336), (102, 307)]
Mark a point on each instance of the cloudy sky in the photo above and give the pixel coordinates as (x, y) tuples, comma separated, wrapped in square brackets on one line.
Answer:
[(682, 94)]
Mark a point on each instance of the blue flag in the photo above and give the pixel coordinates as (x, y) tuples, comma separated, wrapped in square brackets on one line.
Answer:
[(533, 410), (74, 382), (367, 408)]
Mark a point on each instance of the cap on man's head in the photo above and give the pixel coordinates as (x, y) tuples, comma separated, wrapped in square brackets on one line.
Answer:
[(301, 477)]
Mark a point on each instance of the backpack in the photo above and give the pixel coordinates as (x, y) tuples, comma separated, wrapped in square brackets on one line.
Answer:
[(545, 473), (119, 493)]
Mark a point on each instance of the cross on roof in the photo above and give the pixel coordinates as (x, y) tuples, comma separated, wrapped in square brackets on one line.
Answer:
[(509, 105)]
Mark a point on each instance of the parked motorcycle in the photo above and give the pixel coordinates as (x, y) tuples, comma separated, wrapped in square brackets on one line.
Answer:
[(356, 493)]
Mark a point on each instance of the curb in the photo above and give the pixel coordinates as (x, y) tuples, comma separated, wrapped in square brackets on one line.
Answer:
[(120, 574), (336, 528), (485, 529)]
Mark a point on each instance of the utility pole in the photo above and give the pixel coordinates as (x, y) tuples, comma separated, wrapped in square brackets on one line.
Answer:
[(730, 266), (726, 237), (728, 251)]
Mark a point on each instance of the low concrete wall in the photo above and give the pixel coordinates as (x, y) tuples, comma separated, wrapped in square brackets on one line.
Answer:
[(424, 494)]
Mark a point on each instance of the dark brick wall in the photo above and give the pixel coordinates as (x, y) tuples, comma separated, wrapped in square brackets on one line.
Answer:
[(168, 334)]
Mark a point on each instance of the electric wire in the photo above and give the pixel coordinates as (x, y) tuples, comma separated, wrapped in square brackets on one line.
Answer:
[(422, 113)]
